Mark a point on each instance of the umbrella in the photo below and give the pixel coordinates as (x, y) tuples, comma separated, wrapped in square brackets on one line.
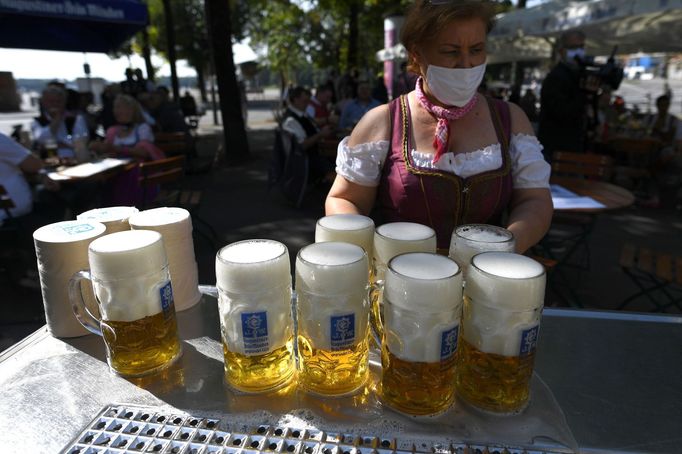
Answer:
[(632, 25), (70, 25)]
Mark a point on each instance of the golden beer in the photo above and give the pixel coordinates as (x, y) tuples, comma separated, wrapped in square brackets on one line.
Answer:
[(333, 372), (494, 382), (259, 373), (142, 346), (130, 279), (333, 317), (422, 311), (254, 304), (417, 388), (503, 301)]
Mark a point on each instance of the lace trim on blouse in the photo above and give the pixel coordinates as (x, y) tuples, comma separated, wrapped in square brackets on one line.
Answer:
[(362, 163)]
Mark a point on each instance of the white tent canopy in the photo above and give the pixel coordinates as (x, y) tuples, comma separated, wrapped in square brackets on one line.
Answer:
[(632, 25)]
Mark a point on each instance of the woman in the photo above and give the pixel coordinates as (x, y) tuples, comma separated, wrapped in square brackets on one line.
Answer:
[(443, 155), (132, 138)]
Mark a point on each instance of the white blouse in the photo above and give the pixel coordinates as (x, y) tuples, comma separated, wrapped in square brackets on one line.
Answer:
[(362, 163)]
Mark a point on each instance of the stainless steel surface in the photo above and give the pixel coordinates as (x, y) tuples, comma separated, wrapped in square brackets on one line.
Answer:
[(124, 429), (615, 377)]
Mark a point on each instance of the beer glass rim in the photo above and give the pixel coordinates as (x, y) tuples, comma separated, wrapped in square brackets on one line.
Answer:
[(496, 276), (298, 255), (367, 227), (459, 268), (378, 232), (255, 240), (496, 228)]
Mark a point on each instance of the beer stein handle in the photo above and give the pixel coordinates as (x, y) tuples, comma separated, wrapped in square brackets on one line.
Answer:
[(375, 291), (83, 314)]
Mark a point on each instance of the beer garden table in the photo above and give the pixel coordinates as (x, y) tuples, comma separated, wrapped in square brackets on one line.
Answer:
[(615, 375), (574, 223)]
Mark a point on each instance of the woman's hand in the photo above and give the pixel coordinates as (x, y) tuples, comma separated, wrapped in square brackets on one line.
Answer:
[(530, 216)]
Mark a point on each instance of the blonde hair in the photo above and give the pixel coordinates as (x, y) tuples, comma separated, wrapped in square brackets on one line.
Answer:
[(426, 19), (131, 102)]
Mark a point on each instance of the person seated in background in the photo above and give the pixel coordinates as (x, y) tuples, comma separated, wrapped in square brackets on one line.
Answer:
[(303, 128), (666, 165), (318, 109), (15, 163), (167, 115), (131, 136), (188, 105), (662, 125), (359, 106), (17, 166), (56, 128)]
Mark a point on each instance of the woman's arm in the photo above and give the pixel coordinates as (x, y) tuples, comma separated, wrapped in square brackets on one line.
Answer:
[(346, 196), (530, 216), (530, 209)]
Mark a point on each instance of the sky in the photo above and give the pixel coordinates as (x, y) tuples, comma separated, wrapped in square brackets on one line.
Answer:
[(46, 64)]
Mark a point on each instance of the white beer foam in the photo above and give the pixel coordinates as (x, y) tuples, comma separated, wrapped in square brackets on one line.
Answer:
[(331, 280), (350, 228), (276, 303), (427, 281), (416, 336), (469, 240), (122, 255), (132, 268), (331, 268), (485, 233), (131, 299), (398, 238), (252, 266), (423, 294), (506, 294), (493, 331)]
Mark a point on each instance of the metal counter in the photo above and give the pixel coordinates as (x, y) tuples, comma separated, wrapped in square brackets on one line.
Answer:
[(615, 376)]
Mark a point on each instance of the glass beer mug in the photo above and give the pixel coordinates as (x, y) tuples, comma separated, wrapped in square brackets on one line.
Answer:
[(471, 239), (390, 240), (350, 228), (254, 303), (129, 274), (422, 310), (333, 317), (503, 299)]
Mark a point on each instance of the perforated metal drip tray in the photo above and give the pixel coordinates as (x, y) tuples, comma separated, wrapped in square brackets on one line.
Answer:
[(133, 429)]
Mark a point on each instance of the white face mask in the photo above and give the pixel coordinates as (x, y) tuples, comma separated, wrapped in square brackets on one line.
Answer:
[(454, 86), (571, 54)]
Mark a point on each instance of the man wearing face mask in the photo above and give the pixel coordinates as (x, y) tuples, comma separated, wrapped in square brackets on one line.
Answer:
[(565, 98), (443, 155)]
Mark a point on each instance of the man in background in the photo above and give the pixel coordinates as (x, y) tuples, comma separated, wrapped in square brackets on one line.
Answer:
[(564, 99)]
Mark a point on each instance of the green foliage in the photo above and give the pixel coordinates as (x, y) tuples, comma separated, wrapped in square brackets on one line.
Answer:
[(295, 35)]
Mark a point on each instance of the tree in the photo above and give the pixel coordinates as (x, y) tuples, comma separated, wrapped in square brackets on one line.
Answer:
[(219, 27)]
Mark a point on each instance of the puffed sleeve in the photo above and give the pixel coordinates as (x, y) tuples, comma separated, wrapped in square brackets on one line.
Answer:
[(362, 163), (529, 168)]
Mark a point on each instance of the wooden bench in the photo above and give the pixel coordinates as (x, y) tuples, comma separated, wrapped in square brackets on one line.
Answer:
[(657, 274)]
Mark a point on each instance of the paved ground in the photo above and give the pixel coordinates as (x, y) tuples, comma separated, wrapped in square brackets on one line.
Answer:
[(238, 206)]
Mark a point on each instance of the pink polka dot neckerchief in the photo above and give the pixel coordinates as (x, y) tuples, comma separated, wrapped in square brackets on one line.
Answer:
[(444, 116)]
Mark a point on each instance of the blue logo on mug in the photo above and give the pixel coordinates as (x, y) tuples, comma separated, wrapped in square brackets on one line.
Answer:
[(448, 343), (529, 340), (342, 331), (255, 332)]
